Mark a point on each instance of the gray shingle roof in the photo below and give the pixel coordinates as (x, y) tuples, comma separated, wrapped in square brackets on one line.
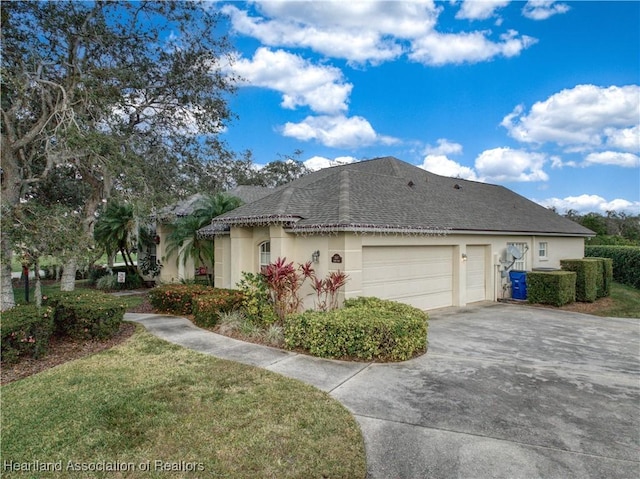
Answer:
[(386, 194)]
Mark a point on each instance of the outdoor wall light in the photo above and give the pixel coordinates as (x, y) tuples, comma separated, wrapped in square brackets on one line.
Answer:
[(464, 256), (315, 256)]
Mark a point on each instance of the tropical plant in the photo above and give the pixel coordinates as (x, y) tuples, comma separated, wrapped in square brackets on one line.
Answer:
[(184, 242), (284, 281), (115, 231), (327, 289)]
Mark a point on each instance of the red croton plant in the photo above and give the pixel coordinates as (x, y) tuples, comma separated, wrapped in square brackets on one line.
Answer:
[(285, 281)]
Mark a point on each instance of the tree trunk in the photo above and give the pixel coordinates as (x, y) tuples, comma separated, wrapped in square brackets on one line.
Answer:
[(7, 300), (38, 289), (68, 281)]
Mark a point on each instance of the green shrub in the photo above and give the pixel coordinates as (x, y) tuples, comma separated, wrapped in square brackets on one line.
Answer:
[(604, 275), (365, 328), (108, 282), (208, 307), (96, 272), (551, 287), (25, 331), (175, 298), (86, 314), (257, 305), (625, 262), (586, 278)]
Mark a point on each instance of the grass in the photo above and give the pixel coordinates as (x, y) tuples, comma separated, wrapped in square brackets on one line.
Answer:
[(626, 302), (147, 400)]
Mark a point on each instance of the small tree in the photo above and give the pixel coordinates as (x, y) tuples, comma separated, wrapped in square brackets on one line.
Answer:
[(184, 241), (115, 231)]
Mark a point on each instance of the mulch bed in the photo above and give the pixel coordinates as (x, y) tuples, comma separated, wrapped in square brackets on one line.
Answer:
[(62, 350)]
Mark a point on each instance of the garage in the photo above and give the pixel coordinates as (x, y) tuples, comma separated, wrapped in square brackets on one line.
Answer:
[(476, 285), (421, 276)]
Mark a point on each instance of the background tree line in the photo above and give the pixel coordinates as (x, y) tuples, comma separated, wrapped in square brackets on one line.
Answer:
[(612, 228)]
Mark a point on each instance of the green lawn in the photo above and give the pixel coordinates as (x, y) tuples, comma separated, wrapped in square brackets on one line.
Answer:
[(626, 302), (147, 400)]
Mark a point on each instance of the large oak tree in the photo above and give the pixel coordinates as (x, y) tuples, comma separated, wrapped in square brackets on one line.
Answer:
[(123, 93)]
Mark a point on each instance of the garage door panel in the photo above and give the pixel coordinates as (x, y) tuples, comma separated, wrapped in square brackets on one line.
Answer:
[(419, 276), (476, 288)]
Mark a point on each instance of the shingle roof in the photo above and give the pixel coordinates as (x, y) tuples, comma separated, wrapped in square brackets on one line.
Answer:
[(246, 193), (386, 194)]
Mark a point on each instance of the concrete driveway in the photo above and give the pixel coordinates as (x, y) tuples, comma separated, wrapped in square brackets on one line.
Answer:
[(504, 391)]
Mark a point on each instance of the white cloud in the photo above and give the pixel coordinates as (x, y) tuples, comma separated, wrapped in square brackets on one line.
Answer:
[(443, 48), (627, 139), (615, 158), (444, 147), (301, 83), (543, 9), (480, 10), (360, 32), (506, 164), (591, 203), (373, 31), (336, 131), (441, 165), (581, 117), (319, 162)]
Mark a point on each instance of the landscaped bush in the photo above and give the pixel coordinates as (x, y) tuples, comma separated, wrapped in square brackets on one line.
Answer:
[(108, 282), (208, 307), (96, 272), (175, 298), (625, 259), (551, 287), (86, 314), (26, 330), (365, 328), (586, 278), (604, 276), (256, 303)]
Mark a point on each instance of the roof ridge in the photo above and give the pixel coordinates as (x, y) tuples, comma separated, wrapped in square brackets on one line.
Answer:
[(343, 200), (284, 200)]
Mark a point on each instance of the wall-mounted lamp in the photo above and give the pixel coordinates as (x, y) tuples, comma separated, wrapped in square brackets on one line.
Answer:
[(315, 256), (464, 256)]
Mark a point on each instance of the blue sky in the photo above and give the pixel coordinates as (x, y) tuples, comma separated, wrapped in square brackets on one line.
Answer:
[(542, 97)]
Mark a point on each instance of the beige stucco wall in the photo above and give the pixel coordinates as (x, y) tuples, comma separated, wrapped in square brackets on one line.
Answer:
[(239, 251), (172, 271)]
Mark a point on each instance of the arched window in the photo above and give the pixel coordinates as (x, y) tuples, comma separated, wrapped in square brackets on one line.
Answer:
[(265, 254)]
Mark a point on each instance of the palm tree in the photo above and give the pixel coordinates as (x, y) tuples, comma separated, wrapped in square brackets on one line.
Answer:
[(184, 239), (115, 230)]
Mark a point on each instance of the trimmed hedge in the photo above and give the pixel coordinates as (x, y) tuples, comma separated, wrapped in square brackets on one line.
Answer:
[(86, 314), (365, 328), (604, 276), (551, 287), (26, 330), (625, 262), (586, 278), (208, 306), (176, 298)]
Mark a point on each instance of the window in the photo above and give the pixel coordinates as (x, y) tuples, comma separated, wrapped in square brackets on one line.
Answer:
[(265, 255), (520, 264), (542, 250)]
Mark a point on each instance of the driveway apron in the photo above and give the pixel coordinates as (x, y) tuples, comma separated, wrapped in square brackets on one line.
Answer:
[(504, 391)]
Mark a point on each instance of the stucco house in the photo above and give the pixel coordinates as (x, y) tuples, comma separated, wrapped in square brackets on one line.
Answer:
[(173, 270), (398, 231)]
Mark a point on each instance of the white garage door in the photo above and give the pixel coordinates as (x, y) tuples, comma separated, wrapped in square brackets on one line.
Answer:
[(421, 276), (476, 290)]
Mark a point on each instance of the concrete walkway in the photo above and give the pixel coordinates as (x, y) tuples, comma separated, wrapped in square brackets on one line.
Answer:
[(505, 391)]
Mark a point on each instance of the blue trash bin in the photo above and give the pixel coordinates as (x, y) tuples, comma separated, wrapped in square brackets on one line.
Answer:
[(518, 284)]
